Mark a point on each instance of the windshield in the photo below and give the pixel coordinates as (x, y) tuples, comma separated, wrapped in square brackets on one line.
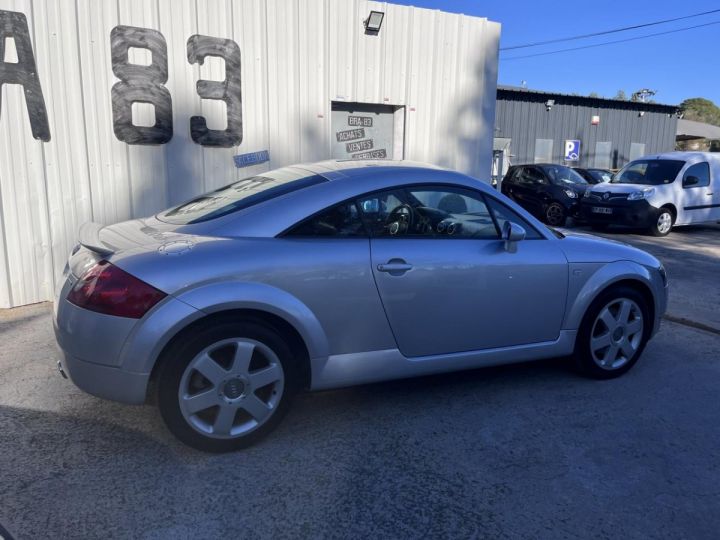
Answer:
[(649, 172), (600, 175), (559, 174), (240, 195)]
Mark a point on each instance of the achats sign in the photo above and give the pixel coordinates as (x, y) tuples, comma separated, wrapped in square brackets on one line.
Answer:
[(137, 84)]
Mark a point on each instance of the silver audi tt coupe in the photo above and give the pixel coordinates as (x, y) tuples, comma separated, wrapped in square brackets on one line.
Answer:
[(334, 274)]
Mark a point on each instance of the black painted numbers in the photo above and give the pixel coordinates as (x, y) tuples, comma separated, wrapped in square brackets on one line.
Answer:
[(140, 84), (198, 48), (13, 25)]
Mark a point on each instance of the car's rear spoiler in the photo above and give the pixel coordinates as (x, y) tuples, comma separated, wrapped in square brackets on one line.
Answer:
[(89, 237)]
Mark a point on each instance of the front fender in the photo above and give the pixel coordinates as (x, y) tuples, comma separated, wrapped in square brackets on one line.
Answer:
[(600, 278)]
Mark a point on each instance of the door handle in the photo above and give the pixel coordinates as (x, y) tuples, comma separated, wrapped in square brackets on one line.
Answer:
[(394, 266)]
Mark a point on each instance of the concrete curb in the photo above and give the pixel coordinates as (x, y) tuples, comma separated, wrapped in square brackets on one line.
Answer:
[(692, 324)]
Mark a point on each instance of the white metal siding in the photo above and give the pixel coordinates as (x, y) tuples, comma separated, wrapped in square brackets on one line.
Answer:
[(297, 57)]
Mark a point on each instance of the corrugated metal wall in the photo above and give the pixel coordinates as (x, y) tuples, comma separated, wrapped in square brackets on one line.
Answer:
[(297, 57), (523, 117)]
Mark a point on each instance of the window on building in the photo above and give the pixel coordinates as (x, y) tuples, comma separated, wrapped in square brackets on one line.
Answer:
[(543, 150), (637, 150), (697, 176), (603, 151)]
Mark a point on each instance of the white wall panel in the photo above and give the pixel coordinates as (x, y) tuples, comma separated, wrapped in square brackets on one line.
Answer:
[(297, 57)]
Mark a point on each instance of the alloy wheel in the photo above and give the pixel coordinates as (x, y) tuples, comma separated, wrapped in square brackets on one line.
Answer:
[(616, 333), (231, 388), (555, 214), (664, 222)]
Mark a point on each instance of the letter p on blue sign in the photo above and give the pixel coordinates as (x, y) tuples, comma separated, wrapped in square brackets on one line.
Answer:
[(572, 150)]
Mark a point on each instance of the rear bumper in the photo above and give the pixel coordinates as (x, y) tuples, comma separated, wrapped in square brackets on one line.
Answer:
[(104, 381), (629, 213)]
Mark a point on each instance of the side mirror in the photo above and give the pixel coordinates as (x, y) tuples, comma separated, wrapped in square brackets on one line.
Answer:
[(691, 181), (511, 234)]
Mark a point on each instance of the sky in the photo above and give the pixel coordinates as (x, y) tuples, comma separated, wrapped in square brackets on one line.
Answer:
[(677, 66)]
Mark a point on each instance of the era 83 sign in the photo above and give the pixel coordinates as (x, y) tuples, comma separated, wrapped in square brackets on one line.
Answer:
[(137, 83)]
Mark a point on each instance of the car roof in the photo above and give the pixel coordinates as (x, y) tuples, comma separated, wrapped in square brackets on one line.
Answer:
[(336, 168), (685, 156)]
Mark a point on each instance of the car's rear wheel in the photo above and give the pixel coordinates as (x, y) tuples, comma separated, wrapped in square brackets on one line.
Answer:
[(555, 214), (224, 387), (663, 223), (613, 333)]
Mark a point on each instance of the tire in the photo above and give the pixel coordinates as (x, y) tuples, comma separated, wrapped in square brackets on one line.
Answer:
[(594, 356), (229, 369), (555, 214), (663, 223)]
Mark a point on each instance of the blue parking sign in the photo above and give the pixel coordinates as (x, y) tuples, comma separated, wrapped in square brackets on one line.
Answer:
[(572, 150)]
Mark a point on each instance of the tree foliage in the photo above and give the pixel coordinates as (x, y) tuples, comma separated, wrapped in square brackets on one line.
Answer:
[(701, 110), (621, 95)]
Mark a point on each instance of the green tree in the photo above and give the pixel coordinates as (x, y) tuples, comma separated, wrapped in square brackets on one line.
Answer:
[(594, 95), (621, 95), (701, 110)]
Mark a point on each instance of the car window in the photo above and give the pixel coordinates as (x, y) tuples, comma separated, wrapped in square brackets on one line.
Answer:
[(649, 172), (429, 212), (561, 175), (532, 176), (342, 220), (240, 195), (701, 171), (503, 213)]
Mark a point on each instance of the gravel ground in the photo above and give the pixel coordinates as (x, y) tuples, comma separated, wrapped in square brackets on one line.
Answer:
[(525, 451)]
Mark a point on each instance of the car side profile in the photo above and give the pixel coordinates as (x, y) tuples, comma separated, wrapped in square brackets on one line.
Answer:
[(657, 193), (335, 274), (550, 192)]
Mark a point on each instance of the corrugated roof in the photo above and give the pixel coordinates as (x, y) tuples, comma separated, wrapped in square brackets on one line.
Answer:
[(586, 99), (689, 129)]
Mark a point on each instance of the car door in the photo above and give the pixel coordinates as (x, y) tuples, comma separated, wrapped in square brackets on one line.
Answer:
[(445, 279), (699, 202)]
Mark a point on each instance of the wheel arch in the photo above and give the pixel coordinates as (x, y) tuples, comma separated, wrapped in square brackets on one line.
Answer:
[(203, 303), (615, 274), (279, 324)]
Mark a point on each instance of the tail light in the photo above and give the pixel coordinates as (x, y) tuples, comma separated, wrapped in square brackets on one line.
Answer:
[(108, 289)]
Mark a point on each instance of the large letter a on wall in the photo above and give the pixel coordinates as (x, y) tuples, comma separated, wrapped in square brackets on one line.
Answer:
[(14, 25)]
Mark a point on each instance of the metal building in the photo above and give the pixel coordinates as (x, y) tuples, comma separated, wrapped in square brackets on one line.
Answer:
[(113, 109), (548, 127)]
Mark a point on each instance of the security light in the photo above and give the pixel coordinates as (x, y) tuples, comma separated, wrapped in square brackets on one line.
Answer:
[(374, 22), (549, 104)]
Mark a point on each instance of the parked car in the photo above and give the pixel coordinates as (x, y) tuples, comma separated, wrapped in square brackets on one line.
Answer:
[(658, 192), (550, 192), (335, 274), (594, 176)]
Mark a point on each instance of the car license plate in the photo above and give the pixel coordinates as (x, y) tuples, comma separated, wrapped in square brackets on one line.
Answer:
[(601, 210)]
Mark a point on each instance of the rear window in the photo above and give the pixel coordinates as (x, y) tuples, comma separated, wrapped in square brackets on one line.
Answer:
[(240, 195), (649, 172)]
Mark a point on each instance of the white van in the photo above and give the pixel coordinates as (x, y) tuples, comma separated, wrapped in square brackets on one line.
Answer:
[(658, 192)]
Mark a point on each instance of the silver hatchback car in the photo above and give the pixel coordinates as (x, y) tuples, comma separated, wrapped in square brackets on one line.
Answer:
[(334, 274)]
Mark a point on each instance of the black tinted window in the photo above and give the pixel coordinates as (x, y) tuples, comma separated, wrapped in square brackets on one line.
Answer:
[(240, 195), (342, 220)]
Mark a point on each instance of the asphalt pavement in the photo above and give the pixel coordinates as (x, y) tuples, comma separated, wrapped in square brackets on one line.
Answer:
[(524, 451)]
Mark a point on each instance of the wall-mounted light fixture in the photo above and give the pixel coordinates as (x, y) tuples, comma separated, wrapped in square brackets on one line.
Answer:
[(641, 113), (549, 104), (374, 22)]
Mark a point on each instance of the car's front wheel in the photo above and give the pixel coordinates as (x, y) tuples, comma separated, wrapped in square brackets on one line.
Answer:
[(555, 214), (613, 333), (663, 223), (223, 387)]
